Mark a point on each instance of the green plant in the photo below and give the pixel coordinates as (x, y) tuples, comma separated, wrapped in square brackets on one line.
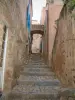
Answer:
[(71, 4), (73, 15)]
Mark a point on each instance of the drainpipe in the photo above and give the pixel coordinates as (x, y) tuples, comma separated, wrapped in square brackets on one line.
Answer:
[(4, 58)]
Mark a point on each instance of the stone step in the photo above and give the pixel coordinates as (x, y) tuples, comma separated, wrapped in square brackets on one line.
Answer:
[(39, 88), (34, 92), (36, 62), (35, 58), (20, 96), (35, 99), (37, 78), (47, 73), (36, 66), (62, 94), (40, 83), (39, 60), (30, 63), (36, 82), (36, 69)]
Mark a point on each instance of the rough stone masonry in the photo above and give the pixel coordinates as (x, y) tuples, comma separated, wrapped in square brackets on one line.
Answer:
[(12, 16)]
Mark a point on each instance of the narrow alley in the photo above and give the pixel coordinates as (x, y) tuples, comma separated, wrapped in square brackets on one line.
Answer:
[(38, 82), (37, 49)]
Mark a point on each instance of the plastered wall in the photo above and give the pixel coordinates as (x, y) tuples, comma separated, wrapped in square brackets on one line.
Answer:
[(13, 16), (64, 48)]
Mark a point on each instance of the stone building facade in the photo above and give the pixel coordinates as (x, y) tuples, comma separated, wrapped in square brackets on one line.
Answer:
[(35, 22), (60, 33), (64, 47), (43, 14), (51, 13), (13, 17), (54, 1)]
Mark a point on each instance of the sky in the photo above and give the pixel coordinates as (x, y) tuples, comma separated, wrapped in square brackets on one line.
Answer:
[(37, 7)]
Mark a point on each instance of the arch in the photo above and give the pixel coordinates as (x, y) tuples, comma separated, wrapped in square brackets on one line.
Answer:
[(41, 32), (37, 32), (35, 29)]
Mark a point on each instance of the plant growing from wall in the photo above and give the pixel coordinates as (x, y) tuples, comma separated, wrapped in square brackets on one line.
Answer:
[(73, 16), (71, 4)]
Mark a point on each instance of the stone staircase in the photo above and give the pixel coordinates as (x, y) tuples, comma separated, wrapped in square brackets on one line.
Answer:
[(38, 82)]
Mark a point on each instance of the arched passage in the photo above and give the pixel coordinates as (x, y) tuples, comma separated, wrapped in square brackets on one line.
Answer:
[(36, 41)]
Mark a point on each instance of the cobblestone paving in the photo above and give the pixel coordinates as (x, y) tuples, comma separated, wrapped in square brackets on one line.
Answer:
[(38, 82)]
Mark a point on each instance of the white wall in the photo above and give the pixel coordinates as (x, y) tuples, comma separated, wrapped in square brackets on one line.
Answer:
[(37, 38)]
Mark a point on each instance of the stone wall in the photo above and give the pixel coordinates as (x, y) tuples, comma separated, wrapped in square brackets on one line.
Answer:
[(53, 15), (64, 47), (1, 42), (13, 16), (45, 37)]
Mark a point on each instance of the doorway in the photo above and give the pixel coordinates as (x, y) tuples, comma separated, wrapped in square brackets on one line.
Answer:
[(36, 46)]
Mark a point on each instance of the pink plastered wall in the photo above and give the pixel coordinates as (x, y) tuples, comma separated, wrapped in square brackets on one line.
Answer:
[(53, 14), (43, 14)]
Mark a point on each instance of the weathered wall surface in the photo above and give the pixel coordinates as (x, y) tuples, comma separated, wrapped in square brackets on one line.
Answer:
[(35, 22), (37, 39), (64, 48), (43, 15), (53, 15), (45, 37), (1, 42), (13, 15)]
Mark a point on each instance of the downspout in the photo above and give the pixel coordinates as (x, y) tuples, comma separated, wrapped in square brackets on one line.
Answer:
[(4, 58)]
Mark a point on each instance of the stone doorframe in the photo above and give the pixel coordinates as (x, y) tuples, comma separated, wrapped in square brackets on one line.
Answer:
[(3, 48), (35, 32)]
